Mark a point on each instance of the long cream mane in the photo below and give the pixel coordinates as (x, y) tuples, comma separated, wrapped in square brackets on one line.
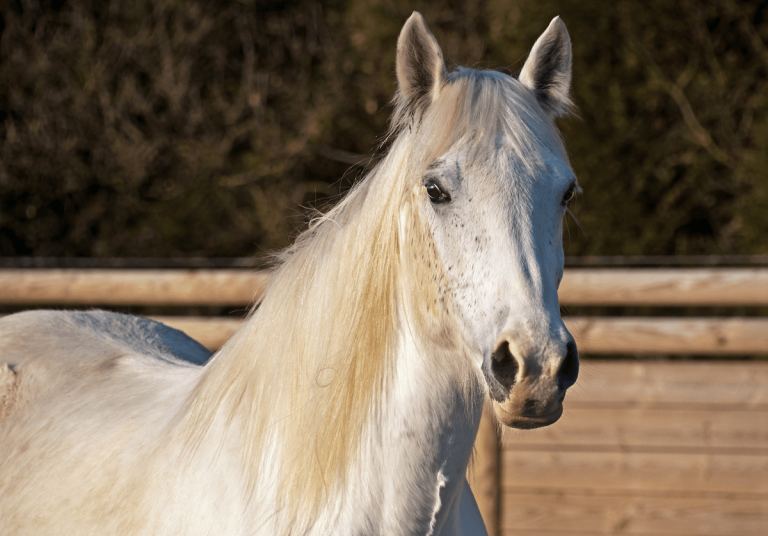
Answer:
[(316, 356)]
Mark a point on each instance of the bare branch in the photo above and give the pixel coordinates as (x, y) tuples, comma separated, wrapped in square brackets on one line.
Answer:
[(699, 134), (748, 29)]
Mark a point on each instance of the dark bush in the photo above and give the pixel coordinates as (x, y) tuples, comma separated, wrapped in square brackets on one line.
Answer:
[(172, 128)]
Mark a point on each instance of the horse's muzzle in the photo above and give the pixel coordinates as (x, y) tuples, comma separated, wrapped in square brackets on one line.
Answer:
[(529, 392), (511, 414)]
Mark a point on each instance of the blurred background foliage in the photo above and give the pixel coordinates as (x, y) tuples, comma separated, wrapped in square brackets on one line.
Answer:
[(190, 128)]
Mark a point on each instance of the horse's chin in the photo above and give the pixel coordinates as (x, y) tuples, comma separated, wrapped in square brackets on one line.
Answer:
[(509, 413)]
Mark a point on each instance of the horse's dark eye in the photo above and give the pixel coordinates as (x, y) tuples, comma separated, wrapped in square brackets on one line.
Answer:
[(436, 194), (569, 195)]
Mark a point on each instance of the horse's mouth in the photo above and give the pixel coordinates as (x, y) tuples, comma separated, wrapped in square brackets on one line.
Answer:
[(525, 420)]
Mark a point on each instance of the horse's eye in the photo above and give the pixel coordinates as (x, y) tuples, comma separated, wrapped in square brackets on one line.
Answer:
[(436, 194), (569, 195)]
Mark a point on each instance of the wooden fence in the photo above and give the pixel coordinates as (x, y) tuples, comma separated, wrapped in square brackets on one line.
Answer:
[(644, 447), (595, 335)]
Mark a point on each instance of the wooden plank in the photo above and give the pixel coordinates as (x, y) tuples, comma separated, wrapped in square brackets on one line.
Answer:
[(592, 512), (635, 335), (665, 384), (679, 286), (631, 429), (638, 471), (131, 287), (667, 335), (711, 286), (618, 335), (210, 332), (672, 385), (484, 473)]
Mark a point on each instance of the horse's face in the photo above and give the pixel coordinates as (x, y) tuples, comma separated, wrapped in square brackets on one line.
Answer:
[(496, 218), (497, 227)]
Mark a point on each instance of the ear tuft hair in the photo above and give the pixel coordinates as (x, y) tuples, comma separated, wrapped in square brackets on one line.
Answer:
[(547, 71), (420, 67)]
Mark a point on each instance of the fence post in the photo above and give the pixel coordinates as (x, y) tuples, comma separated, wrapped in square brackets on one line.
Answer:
[(486, 478)]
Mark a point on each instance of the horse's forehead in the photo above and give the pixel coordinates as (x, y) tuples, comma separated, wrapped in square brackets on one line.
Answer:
[(503, 164)]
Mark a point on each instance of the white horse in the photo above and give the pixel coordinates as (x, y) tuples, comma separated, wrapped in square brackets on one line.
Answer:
[(349, 401)]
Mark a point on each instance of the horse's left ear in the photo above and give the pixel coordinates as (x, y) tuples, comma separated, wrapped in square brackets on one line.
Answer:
[(547, 71), (420, 66)]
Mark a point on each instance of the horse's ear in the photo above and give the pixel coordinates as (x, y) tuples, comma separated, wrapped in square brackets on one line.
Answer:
[(547, 71), (420, 66)]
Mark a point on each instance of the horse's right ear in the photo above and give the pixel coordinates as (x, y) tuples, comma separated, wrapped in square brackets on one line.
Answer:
[(420, 66), (547, 71)]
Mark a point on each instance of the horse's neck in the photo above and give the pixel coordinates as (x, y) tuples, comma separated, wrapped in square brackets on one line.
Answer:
[(408, 472), (415, 455)]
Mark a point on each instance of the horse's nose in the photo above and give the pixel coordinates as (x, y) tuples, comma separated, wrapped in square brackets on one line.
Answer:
[(508, 367), (569, 367), (505, 365)]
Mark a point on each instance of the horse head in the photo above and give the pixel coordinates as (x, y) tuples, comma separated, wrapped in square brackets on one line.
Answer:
[(494, 187)]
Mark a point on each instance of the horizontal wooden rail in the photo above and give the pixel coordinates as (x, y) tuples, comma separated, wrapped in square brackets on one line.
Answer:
[(671, 287), (130, 287), (654, 335), (259, 262), (210, 332), (594, 335), (661, 287)]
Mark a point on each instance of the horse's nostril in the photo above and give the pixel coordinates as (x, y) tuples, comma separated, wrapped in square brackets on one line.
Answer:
[(569, 369), (504, 366)]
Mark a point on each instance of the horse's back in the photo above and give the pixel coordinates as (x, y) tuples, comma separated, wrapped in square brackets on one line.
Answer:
[(84, 397), (49, 351), (88, 335)]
